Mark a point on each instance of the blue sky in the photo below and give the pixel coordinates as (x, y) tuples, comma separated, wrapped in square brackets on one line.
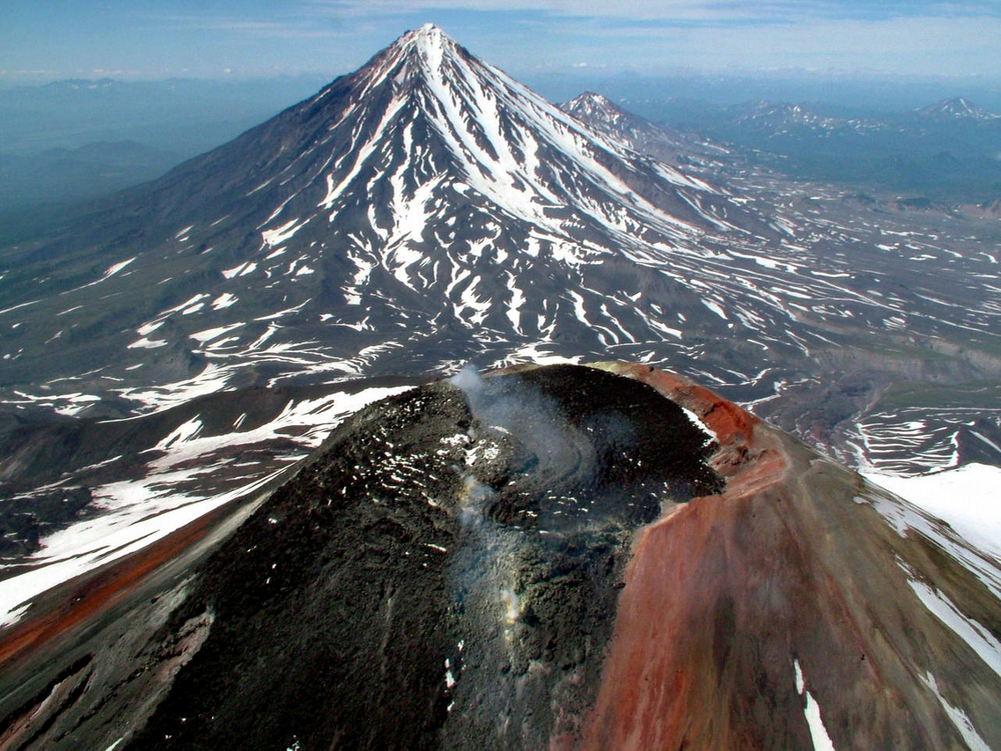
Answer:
[(42, 40)]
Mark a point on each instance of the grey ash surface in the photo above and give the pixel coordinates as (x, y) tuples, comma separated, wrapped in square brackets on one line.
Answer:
[(442, 573)]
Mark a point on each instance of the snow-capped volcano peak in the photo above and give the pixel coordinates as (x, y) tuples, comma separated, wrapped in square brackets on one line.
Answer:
[(444, 126), (589, 103), (957, 108), (425, 46), (425, 196), (427, 37), (427, 31), (601, 114)]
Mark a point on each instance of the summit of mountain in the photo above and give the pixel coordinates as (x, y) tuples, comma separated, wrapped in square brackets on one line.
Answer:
[(957, 108), (560, 557), (592, 107), (606, 117)]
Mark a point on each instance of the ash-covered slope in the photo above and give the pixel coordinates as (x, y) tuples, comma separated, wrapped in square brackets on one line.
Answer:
[(557, 557)]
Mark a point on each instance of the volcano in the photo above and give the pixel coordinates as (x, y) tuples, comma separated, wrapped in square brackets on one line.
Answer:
[(606, 117), (956, 108), (418, 211), (556, 557), (428, 210)]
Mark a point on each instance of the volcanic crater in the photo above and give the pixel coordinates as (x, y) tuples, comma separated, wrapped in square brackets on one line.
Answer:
[(542, 557), (446, 566)]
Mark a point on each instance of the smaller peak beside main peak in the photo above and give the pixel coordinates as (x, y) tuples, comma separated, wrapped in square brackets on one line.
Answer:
[(958, 104), (591, 102), (961, 103), (957, 107), (592, 96)]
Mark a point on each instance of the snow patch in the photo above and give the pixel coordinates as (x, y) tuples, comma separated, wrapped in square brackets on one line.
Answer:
[(967, 498), (697, 422), (274, 237), (818, 733), (181, 434), (224, 301), (979, 639), (958, 717), (116, 267)]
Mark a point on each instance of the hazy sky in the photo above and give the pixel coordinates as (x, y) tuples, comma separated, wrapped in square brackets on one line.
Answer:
[(42, 40)]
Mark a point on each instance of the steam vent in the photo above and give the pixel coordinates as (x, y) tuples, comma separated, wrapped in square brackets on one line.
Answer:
[(600, 557)]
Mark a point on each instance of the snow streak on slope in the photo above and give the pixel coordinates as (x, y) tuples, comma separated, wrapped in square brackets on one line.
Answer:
[(916, 440), (186, 476)]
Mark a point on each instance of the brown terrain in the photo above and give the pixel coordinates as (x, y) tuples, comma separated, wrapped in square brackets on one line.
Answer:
[(791, 562)]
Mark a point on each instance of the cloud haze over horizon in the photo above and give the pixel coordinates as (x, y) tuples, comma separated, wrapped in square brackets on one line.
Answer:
[(45, 40)]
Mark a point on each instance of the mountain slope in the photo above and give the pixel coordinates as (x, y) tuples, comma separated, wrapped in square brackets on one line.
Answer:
[(605, 117), (956, 108), (891, 399), (94, 169), (315, 234)]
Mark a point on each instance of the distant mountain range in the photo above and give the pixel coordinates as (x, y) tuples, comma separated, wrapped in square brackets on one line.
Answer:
[(948, 150), (69, 142)]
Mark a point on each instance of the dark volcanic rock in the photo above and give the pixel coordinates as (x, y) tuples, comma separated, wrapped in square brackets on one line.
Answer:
[(24, 520), (446, 570)]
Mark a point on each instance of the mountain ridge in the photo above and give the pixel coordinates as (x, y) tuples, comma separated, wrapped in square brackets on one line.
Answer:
[(956, 108), (641, 135)]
